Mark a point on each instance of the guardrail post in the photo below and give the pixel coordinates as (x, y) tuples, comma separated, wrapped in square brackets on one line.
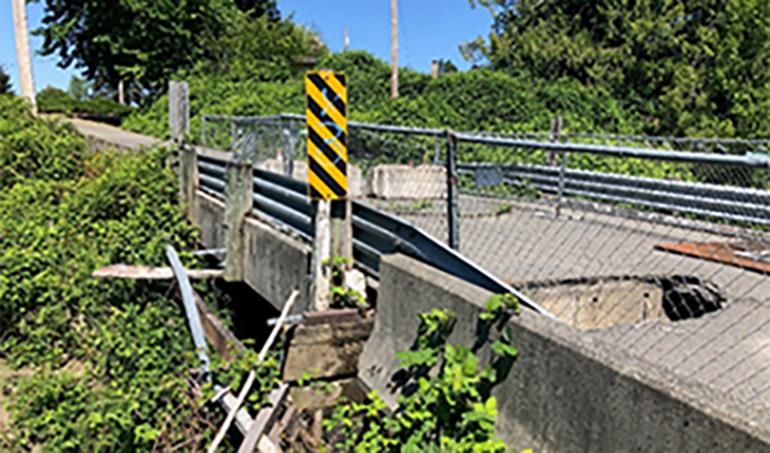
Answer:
[(239, 198), (451, 174), (179, 127)]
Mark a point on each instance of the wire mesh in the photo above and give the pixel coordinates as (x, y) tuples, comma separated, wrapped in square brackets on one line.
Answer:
[(667, 259), (659, 246)]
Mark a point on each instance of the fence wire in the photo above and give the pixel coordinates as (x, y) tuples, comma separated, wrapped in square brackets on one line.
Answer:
[(656, 245)]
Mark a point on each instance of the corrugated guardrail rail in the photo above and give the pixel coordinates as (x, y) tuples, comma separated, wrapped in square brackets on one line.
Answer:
[(711, 200), (375, 233)]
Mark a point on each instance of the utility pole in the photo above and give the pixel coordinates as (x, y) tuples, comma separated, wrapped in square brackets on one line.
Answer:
[(26, 79), (394, 48), (121, 93), (346, 41)]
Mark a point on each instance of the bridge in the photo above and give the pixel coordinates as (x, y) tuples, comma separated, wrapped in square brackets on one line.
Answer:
[(645, 324)]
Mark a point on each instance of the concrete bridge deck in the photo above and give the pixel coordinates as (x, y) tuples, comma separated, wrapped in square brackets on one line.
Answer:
[(723, 354)]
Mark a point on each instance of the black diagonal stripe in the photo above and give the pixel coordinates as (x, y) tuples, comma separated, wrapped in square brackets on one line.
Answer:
[(341, 79), (315, 194), (319, 82), (328, 151), (313, 106), (323, 176)]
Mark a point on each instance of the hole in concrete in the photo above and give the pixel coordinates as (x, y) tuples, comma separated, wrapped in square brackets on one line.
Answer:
[(626, 299)]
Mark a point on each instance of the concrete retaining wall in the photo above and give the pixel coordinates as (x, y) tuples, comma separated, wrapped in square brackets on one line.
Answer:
[(275, 264), (566, 392), (405, 182)]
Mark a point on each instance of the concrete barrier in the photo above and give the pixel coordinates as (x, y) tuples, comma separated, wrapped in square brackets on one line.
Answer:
[(567, 391), (274, 263), (209, 214), (355, 178), (406, 182)]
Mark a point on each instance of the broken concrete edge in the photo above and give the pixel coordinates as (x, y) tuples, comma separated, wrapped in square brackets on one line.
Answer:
[(567, 391), (324, 351)]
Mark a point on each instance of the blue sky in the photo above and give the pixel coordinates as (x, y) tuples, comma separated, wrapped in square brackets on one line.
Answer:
[(428, 30)]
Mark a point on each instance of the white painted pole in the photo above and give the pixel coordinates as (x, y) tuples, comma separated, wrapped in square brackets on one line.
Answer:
[(26, 78)]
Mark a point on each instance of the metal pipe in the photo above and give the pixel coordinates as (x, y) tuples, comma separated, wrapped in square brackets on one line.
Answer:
[(562, 170), (705, 189), (620, 151), (453, 239), (193, 318)]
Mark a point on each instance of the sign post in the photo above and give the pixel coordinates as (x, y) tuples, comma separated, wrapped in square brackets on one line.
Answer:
[(327, 154)]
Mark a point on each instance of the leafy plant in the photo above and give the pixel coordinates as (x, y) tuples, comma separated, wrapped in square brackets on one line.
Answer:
[(341, 295), (110, 357), (446, 402)]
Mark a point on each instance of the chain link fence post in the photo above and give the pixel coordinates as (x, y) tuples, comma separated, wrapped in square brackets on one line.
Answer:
[(451, 173)]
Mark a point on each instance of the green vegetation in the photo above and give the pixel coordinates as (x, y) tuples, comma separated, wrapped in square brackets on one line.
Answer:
[(104, 363), (687, 68), (445, 403), (54, 100), (143, 43), (5, 81)]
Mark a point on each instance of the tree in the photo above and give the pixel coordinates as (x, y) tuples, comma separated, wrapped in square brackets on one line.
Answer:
[(142, 42), (5, 81), (695, 67), (79, 89), (259, 8), (446, 67)]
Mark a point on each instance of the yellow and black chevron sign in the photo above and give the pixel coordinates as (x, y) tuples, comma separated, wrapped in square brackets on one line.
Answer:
[(327, 135)]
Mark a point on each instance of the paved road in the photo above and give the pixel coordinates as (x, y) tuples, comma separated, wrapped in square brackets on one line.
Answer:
[(111, 134)]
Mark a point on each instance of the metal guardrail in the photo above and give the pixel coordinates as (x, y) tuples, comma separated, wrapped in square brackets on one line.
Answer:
[(710, 200), (375, 233)]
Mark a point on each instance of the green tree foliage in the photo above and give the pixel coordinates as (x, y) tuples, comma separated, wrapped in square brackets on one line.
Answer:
[(446, 67), (474, 100), (54, 100), (259, 8), (261, 49), (143, 42), (79, 89), (5, 81), (700, 67)]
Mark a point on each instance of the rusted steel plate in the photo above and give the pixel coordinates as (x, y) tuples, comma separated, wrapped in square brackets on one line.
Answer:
[(739, 254), (150, 273)]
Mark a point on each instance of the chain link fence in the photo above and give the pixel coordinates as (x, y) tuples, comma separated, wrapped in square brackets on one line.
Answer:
[(657, 245)]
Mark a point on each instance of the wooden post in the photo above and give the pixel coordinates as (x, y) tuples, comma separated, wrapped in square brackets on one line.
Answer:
[(239, 197), (322, 253), (188, 179), (394, 49), (26, 78), (179, 126)]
